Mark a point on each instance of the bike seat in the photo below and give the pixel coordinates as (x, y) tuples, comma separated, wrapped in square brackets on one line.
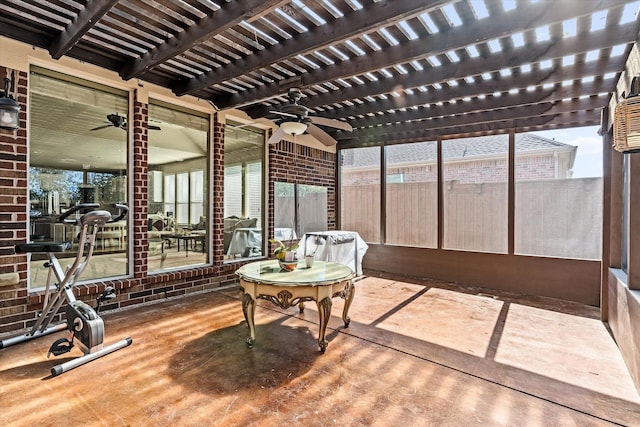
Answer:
[(43, 247)]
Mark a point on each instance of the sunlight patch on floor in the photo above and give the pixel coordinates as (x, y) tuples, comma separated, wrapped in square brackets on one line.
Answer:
[(549, 343), (449, 319)]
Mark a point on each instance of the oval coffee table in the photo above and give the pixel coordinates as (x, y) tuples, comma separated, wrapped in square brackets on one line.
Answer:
[(320, 283)]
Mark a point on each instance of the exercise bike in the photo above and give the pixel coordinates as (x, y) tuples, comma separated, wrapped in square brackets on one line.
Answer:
[(85, 326)]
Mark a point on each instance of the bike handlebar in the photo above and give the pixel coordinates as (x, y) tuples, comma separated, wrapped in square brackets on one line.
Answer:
[(87, 207), (123, 209)]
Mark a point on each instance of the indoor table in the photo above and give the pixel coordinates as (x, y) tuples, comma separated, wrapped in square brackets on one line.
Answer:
[(189, 240), (321, 282)]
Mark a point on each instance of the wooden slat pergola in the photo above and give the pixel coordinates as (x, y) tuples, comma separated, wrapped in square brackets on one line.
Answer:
[(398, 71)]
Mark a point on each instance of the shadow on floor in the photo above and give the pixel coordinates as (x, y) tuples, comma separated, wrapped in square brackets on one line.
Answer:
[(220, 362), (416, 353)]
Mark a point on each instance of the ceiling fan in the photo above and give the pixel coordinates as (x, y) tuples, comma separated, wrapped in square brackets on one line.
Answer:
[(296, 121), (118, 121)]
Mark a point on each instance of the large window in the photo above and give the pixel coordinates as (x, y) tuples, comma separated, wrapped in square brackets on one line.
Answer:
[(557, 198), (558, 202), (178, 229), (360, 196), (77, 154), (412, 194), (298, 209), (243, 191), (475, 176)]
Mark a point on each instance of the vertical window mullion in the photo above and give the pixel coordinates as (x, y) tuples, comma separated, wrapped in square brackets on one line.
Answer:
[(383, 194), (511, 191)]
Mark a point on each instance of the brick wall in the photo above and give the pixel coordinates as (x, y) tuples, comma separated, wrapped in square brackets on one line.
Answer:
[(216, 186), (13, 213), (299, 164), (18, 308), (139, 204), (529, 168)]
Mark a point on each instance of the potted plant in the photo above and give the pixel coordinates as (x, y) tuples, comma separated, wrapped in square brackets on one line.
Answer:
[(285, 254)]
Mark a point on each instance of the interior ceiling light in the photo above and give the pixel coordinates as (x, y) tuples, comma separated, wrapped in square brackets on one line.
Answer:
[(293, 128), (9, 109)]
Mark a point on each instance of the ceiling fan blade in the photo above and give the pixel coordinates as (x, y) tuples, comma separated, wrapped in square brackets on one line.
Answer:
[(321, 135), (324, 121), (102, 127), (284, 114), (276, 137), (153, 127)]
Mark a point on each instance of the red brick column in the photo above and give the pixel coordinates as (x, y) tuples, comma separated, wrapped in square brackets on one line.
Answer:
[(14, 204), (217, 197), (140, 202)]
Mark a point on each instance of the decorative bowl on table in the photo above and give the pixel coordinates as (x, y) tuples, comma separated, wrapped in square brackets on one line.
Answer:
[(288, 265)]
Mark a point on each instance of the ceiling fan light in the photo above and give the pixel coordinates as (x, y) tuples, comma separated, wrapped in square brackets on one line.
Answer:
[(9, 113), (293, 128)]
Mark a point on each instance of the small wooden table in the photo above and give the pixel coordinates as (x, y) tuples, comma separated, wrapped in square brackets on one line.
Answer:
[(188, 240), (320, 283)]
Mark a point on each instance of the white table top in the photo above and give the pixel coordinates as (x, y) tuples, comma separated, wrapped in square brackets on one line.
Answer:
[(269, 272)]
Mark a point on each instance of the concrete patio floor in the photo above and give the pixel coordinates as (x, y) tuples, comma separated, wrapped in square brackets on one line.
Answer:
[(417, 353)]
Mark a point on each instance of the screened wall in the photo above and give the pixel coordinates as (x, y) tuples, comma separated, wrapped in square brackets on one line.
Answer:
[(557, 194)]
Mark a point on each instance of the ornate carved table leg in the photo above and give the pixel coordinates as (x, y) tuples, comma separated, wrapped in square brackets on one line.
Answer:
[(324, 310), (349, 292), (301, 306), (249, 309)]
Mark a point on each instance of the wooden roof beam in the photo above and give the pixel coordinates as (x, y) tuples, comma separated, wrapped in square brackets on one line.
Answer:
[(12, 29), (84, 21), (229, 15), (493, 63), (489, 103), (527, 124), (370, 17), (500, 115), (443, 42), (432, 135), (473, 90)]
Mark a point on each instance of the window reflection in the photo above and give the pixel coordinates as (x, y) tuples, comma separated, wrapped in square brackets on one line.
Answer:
[(243, 191), (77, 154), (177, 225), (298, 209)]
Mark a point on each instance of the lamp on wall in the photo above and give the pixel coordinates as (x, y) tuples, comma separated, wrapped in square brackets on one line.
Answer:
[(293, 128), (9, 109)]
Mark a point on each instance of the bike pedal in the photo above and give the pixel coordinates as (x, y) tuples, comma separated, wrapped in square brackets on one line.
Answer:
[(60, 346)]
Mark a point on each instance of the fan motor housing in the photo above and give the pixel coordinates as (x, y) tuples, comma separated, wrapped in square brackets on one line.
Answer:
[(295, 109)]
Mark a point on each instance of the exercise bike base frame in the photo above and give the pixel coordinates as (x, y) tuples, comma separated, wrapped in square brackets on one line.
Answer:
[(79, 361), (32, 335)]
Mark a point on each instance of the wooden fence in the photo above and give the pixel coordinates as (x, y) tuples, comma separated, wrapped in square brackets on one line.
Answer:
[(559, 218)]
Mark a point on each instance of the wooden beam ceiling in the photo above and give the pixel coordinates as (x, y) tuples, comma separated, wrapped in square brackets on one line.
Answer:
[(551, 108), (396, 70), (229, 15), (457, 38), (354, 23)]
